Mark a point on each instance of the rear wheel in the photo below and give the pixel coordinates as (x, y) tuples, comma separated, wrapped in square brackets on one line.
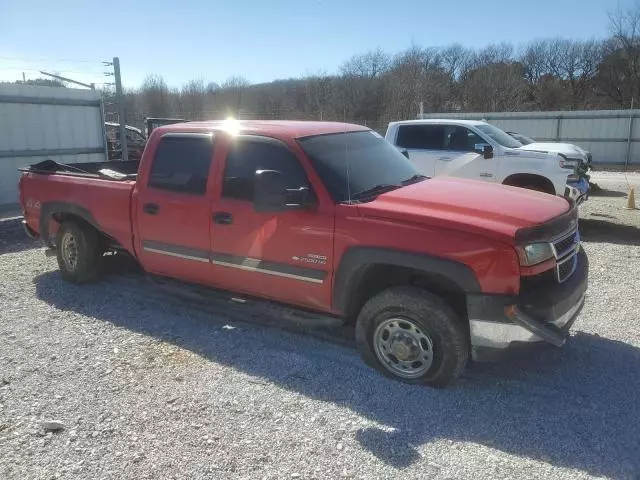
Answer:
[(413, 336), (77, 252)]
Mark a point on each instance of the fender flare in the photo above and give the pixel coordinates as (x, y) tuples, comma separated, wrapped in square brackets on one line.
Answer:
[(49, 209), (356, 260)]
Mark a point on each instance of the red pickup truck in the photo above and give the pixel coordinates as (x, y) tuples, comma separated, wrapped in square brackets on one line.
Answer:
[(328, 217)]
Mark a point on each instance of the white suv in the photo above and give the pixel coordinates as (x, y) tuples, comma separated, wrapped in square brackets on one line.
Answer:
[(478, 150)]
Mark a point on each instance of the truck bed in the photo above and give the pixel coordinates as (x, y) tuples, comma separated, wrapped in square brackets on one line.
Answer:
[(112, 170), (102, 200)]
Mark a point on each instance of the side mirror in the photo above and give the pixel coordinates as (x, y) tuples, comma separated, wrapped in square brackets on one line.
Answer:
[(405, 153), (485, 149), (269, 194)]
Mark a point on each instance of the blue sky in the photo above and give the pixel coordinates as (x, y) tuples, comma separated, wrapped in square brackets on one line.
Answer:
[(263, 40)]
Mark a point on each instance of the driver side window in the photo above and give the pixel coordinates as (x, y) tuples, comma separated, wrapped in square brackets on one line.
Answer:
[(461, 139), (247, 155)]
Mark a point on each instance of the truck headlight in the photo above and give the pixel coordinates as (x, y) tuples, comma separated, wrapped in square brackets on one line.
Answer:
[(535, 253), (568, 163)]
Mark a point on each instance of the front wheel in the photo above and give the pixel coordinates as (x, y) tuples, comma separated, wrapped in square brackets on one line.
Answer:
[(77, 252), (412, 336)]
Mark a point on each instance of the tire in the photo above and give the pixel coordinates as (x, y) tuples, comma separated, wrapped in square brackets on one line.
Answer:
[(85, 243), (410, 319)]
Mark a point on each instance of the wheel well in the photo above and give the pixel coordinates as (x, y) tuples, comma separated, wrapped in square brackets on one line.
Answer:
[(105, 241), (530, 180), (376, 278)]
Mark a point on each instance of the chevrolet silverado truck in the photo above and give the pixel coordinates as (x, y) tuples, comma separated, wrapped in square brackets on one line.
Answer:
[(481, 151), (327, 217)]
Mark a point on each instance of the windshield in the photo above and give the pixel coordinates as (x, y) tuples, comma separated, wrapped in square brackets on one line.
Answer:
[(372, 162), (523, 139), (503, 138)]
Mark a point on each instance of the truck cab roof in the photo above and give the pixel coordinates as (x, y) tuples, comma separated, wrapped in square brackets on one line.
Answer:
[(439, 121), (271, 128)]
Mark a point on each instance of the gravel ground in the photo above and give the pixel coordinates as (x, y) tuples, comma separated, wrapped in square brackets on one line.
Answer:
[(147, 385)]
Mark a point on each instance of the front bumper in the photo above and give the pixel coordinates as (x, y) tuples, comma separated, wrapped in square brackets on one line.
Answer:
[(542, 315), (577, 190)]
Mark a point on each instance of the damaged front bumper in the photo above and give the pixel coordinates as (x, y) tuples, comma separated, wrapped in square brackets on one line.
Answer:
[(540, 315)]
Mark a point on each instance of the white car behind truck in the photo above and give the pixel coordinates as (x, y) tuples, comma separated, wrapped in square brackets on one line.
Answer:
[(478, 150)]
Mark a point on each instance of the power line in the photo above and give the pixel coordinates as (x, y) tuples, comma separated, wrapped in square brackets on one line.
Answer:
[(47, 59), (60, 70)]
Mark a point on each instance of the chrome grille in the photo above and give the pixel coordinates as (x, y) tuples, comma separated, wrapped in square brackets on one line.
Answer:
[(565, 249)]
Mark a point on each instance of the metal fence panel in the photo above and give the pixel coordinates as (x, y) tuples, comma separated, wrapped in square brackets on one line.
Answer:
[(39, 123)]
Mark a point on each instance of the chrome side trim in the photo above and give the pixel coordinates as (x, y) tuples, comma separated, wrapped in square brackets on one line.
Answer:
[(175, 254), (248, 264), (250, 268)]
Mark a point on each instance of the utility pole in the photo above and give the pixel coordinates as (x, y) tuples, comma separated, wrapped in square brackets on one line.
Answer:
[(120, 100)]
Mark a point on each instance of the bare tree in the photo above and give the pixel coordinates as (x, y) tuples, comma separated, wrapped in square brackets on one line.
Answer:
[(456, 60), (230, 94), (192, 97), (494, 87), (155, 96), (618, 74), (368, 65)]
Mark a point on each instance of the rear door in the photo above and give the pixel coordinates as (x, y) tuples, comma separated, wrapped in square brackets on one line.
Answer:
[(284, 256), (423, 143), (460, 157), (172, 208)]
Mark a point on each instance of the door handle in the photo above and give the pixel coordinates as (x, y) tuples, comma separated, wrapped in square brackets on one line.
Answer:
[(223, 218), (445, 158), (151, 208)]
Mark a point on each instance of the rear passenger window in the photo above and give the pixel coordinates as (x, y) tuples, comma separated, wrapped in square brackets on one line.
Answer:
[(182, 163), (247, 156), (423, 137)]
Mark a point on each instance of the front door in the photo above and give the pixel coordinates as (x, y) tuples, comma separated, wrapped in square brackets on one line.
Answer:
[(423, 143), (173, 209), (460, 157), (285, 256)]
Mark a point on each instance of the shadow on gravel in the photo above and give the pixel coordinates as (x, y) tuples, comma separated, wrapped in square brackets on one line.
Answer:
[(597, 230), (576, 407), (13, 238), (607, 193)]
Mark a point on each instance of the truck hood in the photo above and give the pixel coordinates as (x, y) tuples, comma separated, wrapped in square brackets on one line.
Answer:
[(492, 210), (567, 149)]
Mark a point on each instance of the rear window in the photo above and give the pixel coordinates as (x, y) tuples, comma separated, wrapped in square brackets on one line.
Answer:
[(182, 163), (425, 137)]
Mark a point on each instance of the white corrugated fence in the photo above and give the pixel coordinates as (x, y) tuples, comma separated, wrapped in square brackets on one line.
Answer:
[(39, 123)]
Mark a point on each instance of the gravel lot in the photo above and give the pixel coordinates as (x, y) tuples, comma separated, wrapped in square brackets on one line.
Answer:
[(148, 385)]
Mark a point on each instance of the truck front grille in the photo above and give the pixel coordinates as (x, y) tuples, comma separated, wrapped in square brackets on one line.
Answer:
[(565, 250)]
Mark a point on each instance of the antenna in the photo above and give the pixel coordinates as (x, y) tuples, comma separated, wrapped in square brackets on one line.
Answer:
[(346, 154)]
